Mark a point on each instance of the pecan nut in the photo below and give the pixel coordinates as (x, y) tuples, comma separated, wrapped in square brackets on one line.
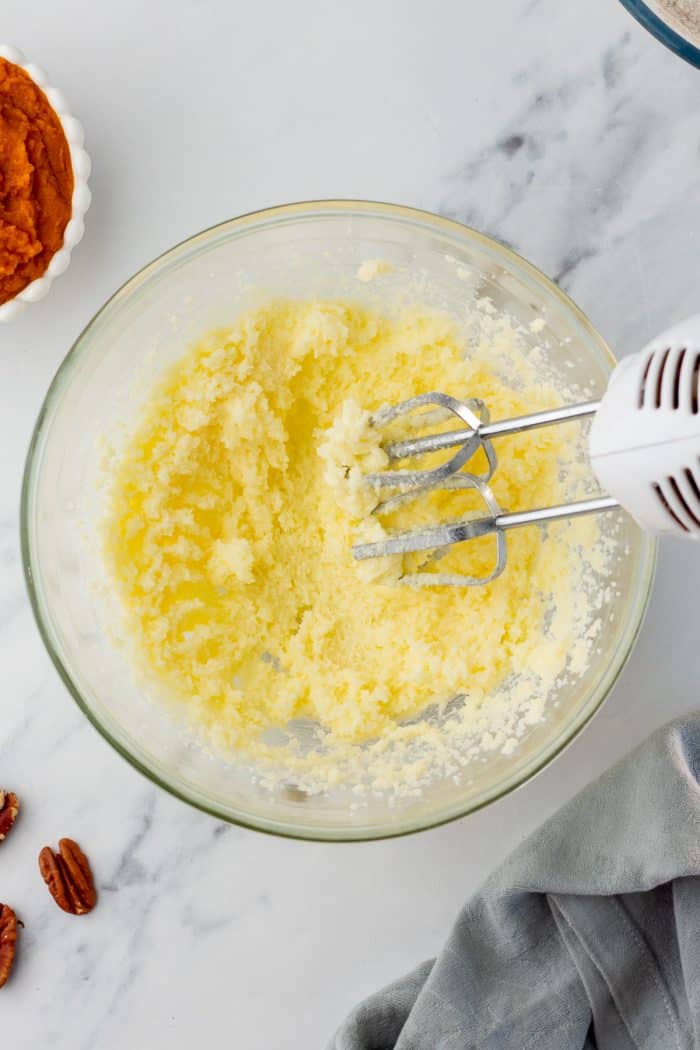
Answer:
[(68, 876), (8, 941), (9, 808)]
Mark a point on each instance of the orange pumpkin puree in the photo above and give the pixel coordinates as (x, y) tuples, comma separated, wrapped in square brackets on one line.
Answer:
[(36, 181)]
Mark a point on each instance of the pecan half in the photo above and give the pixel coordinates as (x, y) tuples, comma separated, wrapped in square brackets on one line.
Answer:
[(68, 876), (9, 808), (8, 940)]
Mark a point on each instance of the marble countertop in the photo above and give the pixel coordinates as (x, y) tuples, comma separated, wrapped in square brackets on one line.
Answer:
[(564, 130)]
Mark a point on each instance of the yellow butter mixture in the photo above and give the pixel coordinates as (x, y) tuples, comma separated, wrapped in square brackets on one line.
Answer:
[(232, 513)]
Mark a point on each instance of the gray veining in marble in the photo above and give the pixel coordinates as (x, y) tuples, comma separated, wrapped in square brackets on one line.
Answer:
[(561, 128)]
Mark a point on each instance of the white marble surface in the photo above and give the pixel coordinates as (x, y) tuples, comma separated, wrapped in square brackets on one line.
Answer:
[(561, 128)]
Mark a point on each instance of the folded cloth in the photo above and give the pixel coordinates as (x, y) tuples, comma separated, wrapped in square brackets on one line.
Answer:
[(588, 936)]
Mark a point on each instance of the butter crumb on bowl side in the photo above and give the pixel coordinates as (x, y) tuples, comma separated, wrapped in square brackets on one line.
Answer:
[(372, 268)]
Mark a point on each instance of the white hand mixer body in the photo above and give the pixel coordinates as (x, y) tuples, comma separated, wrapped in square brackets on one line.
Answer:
[(644, 449), (645, 438)]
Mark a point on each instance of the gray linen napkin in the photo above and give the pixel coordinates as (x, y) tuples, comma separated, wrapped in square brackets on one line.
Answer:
[(587, 937)]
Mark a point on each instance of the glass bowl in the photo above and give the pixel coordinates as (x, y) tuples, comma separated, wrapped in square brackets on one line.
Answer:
[(299, 250), (666, 27)]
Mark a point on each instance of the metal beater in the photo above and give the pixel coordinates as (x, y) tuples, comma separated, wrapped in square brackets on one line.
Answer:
[(644, 449)]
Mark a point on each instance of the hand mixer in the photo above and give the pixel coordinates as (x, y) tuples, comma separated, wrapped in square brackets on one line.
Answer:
[(644, 448)]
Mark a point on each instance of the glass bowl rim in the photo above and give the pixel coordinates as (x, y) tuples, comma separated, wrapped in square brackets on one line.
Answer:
[(671, 38), (81, 347)]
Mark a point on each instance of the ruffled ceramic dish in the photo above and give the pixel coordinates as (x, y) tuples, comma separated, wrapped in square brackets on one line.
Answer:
[(80, 200)]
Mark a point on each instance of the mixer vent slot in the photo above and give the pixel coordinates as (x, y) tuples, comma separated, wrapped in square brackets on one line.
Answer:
[(668, 508), (683, 502), (651, 387), (677, 378), (692, 481), (660, 377), (643, 384)]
